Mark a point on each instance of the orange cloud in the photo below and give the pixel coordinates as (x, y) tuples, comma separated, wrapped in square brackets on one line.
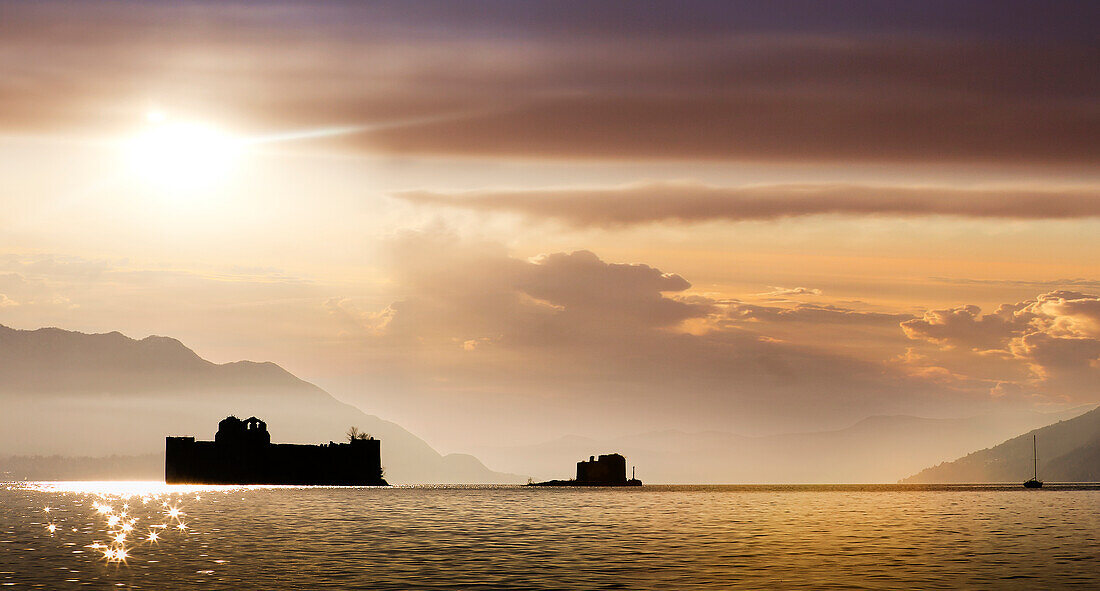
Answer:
[(1054, 336), (627, 340)]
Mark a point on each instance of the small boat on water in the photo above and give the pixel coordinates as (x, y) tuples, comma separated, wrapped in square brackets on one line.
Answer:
[(1034, 481)]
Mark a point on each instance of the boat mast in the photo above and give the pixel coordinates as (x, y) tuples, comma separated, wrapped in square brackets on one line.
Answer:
[(1034, 458)]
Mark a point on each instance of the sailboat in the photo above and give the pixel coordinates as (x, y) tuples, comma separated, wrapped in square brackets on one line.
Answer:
[(1034, 482)]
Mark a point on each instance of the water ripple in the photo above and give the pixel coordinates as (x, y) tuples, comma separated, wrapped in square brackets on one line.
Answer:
[(523, 538)]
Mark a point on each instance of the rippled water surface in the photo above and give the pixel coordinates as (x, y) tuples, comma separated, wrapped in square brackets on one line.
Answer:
[(533, 538)]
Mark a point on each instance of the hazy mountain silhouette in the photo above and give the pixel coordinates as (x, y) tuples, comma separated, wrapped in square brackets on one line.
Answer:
[(876, 449), (74, 394), (1069, 451)]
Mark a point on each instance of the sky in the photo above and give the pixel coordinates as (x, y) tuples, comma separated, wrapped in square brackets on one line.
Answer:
[(500, 222)]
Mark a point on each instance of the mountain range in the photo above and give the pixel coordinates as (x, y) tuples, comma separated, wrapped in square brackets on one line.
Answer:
[(1069, 451), (875, 449), (78, 405), (70, 394)]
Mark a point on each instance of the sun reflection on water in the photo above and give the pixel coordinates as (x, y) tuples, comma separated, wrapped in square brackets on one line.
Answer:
[(115, 510), (122, 531)]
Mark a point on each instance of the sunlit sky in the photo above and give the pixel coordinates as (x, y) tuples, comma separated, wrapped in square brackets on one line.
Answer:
[(497, 222)]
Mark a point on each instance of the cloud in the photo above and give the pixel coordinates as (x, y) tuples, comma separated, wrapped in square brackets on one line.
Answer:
[(694, 202), (71, 268), (1047, 283), (813, 313), (1072, 313), (1061, 313), (744, 83), (542, 337), (787, 126), (460, 291), (597, 293), (966, 326), (1056, 336), (780, 292)]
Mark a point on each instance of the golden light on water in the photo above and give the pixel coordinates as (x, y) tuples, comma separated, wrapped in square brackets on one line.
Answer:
[(123, 522), (115, 504)]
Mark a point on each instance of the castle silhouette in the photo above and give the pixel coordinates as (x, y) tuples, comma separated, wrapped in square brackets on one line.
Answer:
[(607, 470), (242, 453)]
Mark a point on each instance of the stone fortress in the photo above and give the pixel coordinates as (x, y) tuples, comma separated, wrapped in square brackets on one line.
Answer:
[(242, 453)]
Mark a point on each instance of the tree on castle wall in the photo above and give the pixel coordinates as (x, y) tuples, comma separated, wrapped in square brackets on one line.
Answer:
[(354, 433)]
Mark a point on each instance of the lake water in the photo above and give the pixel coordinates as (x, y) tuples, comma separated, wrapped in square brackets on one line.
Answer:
[(654, 537)]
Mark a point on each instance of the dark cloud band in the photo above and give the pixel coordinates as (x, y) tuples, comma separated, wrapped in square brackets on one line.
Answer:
[(689, 203), (549, 82)]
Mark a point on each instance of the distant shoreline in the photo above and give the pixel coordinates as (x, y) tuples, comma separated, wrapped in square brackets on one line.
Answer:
[(748, 488)]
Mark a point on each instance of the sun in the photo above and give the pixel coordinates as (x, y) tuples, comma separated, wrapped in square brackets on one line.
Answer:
[(182, 155)]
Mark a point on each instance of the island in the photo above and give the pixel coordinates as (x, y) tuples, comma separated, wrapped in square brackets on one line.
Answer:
[(607, 470), (242, 453)]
